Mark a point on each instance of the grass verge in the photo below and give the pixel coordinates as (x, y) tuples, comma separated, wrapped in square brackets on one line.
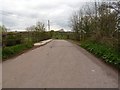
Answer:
[(8, 52), (108, 54)]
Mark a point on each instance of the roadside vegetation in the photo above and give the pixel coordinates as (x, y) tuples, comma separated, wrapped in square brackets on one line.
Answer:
[(106, 53), (14, 43), (97, 28), (14, 50)]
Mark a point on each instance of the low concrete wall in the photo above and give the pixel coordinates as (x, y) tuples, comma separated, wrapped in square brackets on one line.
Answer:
[(43, 42)]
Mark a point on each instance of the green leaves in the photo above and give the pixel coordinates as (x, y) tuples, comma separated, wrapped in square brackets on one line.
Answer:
[(13, 50), (108, 54)]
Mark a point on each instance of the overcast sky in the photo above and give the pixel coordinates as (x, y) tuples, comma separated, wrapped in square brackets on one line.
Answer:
[(19, 14)]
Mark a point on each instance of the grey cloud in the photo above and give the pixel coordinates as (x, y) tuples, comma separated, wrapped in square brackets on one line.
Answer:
[(21, 14), (2, 12), (8, 22)]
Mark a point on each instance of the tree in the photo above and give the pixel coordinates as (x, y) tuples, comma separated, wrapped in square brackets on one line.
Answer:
[(115, 7), (4, 29), (98, 22), (40, 27)]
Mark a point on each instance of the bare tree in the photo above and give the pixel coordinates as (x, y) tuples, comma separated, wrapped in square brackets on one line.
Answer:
[(40, 27)]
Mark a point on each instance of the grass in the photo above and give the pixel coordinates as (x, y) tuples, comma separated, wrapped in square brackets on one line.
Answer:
[(14, 50), (107, 53)]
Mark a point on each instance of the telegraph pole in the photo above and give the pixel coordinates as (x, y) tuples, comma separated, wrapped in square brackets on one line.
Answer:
[(48, 25)]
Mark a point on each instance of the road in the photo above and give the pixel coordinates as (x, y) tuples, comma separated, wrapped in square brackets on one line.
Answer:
[(59, 64), (0, 74)]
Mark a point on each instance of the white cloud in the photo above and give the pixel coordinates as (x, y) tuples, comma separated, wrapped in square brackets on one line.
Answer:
[(18, 14)]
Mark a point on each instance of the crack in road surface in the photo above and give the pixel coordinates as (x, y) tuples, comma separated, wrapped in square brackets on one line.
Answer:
[(59, 64)]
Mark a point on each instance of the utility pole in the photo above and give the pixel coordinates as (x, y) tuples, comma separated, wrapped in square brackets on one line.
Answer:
[(95, 8), (48, 25)]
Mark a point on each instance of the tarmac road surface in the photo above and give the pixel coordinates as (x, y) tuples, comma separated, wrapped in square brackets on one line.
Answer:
[(59, 64)]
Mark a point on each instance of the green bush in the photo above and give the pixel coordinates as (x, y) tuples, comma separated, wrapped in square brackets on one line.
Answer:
[(13, 50), (13, 39), (107, 53)]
